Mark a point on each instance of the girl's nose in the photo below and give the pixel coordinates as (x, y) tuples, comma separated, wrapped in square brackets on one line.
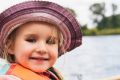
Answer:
[(41, 48)]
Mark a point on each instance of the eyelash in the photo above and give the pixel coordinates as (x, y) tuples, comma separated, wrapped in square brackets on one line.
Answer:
[(31, 40), (49, 41)]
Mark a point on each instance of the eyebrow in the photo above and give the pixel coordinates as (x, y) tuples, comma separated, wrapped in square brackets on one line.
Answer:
[(27, 35)]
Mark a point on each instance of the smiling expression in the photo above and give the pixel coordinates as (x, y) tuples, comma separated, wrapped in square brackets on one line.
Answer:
[(36, 46)]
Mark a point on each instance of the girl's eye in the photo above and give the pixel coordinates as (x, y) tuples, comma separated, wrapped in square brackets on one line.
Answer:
[(51, 41), (31, 40)]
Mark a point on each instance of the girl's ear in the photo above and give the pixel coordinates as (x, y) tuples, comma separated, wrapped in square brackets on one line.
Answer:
[(10, 47), (10, 51)]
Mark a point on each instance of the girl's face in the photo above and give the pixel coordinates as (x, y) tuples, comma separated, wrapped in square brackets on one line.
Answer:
[(36, 46)]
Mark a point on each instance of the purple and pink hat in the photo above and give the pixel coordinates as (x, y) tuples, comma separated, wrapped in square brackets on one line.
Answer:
[(41, 11)]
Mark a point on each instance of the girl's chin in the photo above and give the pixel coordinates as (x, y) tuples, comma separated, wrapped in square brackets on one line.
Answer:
[(39, 69)]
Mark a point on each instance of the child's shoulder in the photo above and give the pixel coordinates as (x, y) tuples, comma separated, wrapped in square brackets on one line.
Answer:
[(4, 65)]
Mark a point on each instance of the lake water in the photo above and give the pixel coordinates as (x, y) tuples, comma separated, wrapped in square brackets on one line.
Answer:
[(97, 58)]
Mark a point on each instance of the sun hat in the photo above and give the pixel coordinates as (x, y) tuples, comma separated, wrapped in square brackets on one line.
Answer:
[(41, 11)]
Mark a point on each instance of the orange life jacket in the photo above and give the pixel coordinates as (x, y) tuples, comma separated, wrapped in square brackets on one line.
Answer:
[(25, 74)]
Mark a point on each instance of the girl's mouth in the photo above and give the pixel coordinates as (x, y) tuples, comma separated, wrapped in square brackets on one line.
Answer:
[(39, 58)]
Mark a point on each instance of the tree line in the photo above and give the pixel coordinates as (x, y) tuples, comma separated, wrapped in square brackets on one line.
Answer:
[(98, 10), (103, 25)]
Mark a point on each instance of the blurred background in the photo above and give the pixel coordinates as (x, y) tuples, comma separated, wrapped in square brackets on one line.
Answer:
[(99, 55)]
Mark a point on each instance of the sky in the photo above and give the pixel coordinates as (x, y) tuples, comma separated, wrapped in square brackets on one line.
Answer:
[(81, 7)]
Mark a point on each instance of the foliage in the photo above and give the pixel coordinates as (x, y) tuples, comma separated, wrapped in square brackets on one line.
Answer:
[(109, 22), (107, 29), (107, 25), (98, 11), (95, 31)]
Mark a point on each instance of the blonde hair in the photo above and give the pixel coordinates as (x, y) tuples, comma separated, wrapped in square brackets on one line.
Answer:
[(9, 43), (11, 39)]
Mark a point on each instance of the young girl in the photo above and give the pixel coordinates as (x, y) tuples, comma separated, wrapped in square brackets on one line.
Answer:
[(33, 35)]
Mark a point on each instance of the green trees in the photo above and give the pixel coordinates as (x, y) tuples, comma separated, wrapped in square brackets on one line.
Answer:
[(114, 18), (98, 10), (104, 25)]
